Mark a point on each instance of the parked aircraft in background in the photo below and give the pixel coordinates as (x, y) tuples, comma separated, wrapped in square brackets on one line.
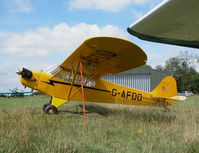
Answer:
[(186, 93), (15, 93)]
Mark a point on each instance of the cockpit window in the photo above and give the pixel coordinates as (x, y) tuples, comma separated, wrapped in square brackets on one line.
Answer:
[(70, 75)]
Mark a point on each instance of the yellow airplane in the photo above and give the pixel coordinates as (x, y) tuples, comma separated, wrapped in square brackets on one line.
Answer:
[(78, 77)]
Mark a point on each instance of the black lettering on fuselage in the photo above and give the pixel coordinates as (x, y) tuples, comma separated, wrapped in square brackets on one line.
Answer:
[(139, 97), (123, 94), (134, 96), (127, 94), (114, 92)]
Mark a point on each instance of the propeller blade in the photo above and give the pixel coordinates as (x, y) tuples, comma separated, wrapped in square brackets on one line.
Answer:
[(19, 72)]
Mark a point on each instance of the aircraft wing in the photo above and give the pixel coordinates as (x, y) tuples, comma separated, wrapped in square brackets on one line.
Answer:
[(102, 56), (172, 22)]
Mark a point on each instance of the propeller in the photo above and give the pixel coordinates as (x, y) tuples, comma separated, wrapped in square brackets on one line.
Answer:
[(25, 73)]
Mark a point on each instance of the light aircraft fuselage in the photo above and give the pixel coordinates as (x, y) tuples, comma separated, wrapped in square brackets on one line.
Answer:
[(103, 91)]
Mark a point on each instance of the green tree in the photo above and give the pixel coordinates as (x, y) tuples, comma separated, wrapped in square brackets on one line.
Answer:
[(159, 68), (147, 66), (183, 69)]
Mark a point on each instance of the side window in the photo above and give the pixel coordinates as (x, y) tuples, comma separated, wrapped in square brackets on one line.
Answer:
[(68, 76), (91, 83), (61, 75)]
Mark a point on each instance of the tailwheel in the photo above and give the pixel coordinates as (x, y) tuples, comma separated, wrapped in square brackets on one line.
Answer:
[(50, 109)]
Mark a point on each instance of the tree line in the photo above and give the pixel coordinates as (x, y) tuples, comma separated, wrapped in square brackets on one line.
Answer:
[(183, 68)]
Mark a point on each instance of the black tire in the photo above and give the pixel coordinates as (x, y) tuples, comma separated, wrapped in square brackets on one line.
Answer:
[(50, 109), (44, 106)]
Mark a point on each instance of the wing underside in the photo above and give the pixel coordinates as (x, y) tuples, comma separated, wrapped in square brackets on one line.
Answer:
[(101, 56), (172, 22)]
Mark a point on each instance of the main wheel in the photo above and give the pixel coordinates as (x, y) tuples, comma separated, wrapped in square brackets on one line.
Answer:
[(50, 109), (44, 106)]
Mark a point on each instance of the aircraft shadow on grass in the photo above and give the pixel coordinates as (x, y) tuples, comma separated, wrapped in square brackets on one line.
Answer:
[(150, 115)]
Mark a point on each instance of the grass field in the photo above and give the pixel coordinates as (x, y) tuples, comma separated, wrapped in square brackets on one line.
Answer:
[(110, 128)]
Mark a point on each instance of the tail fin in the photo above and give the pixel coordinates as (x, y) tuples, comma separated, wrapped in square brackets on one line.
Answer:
[(167, 88)]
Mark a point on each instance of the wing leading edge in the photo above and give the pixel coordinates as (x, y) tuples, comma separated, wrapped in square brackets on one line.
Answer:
[(172, 22), (102, 56)]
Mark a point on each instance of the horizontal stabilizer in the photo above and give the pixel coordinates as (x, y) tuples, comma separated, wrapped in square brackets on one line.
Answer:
[(178, 98)]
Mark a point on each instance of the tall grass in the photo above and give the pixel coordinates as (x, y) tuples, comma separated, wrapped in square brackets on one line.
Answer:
[(109, 129)]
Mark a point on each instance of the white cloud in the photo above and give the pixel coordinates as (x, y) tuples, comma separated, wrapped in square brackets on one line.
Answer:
[(159, 53), (19, 6), (7, 75), (105, 5), (44, 47), (137, 14), (61, 38)]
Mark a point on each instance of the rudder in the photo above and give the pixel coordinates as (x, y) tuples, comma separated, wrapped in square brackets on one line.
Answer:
[(166, 88)]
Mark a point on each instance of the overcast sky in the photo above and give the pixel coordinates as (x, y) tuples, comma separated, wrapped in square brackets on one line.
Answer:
[(39, 34)]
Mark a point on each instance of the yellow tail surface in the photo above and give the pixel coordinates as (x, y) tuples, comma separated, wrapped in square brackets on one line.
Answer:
[(167, 88)]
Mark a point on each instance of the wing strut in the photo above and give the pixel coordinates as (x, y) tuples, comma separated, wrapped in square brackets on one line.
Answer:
[(73, 80), (82, 86)]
